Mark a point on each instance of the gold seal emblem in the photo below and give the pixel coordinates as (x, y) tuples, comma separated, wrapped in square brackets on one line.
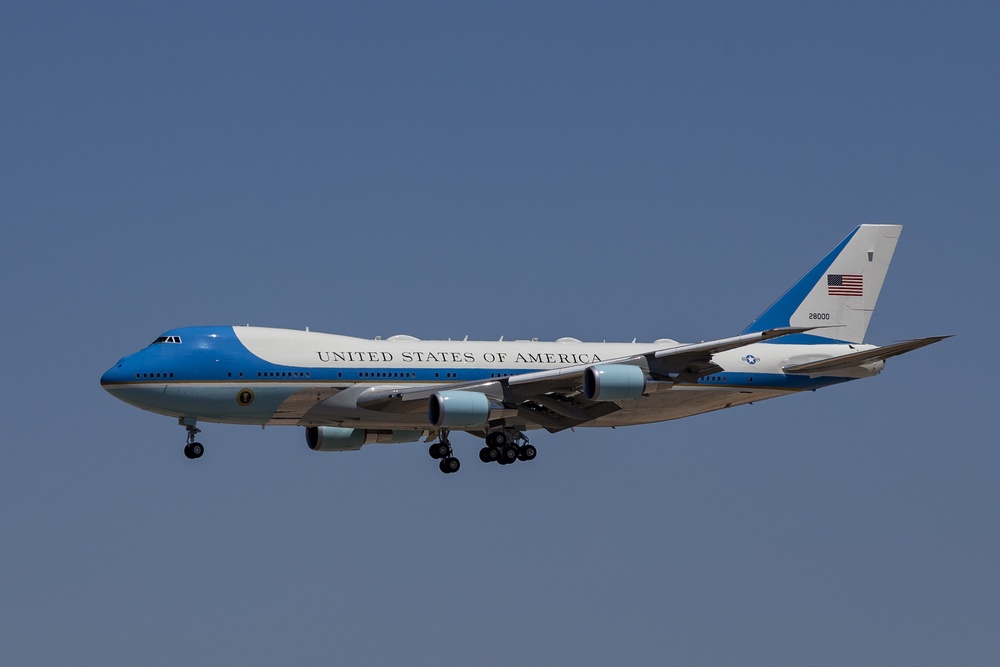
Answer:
[(244, 397)]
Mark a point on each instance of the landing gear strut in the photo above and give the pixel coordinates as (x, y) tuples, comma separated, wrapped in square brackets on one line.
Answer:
[(502, 447), (193, 450), (442, 451)]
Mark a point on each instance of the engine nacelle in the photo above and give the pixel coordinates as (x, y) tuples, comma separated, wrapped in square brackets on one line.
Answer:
[(613, 382), (339, 439), (458, 409)]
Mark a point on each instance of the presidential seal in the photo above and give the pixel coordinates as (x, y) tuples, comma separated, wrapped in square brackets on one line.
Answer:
[(244, 397)]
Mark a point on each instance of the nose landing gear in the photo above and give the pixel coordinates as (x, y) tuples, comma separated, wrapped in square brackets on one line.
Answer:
[(193, 450)]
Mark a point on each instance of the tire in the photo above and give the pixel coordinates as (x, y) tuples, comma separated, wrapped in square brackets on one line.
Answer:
[(496, 439), (197, 449), (527, 453)]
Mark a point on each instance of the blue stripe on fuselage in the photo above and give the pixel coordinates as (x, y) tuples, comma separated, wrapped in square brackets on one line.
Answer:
[(768, 381)]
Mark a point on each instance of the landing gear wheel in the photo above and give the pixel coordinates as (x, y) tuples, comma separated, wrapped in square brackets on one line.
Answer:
[(497, 439), (442, 450), (508, 454), (192, 450), (527, 453)]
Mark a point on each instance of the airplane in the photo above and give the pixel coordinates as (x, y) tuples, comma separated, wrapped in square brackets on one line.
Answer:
[(349, 392)]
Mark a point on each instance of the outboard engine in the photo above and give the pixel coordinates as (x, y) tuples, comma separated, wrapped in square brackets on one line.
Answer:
[(458, 409), (613, 382)]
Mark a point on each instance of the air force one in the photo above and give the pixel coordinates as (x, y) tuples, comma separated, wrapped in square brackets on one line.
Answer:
[(349, 392)]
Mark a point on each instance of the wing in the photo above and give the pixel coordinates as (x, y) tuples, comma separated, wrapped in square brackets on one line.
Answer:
[(554, 399)]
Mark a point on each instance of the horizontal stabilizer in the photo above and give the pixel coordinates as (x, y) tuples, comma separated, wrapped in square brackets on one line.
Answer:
[(859, 358)]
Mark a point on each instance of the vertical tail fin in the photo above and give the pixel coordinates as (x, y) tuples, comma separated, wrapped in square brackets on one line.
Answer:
[(840, 292)]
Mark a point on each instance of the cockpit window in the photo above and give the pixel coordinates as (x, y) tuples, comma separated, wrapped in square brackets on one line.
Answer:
[(167, 339)]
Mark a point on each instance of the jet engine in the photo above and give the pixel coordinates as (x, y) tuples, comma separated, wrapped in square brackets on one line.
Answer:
[(340, 439), (458, 409), (613, 382)]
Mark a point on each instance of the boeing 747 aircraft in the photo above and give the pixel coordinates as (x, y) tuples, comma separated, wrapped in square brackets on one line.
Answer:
[(349, 392)]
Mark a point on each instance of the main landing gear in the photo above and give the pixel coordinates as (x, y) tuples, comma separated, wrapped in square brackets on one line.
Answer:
[(503, 448), (193, 450), (442, 450)]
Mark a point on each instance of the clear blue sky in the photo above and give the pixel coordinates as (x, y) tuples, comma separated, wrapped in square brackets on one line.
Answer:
[(604, 171)]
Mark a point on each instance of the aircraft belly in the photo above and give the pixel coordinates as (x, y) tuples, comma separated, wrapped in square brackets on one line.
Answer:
[(683, 401), (210, 402), (341, 409), (292, 410), (275, 404)]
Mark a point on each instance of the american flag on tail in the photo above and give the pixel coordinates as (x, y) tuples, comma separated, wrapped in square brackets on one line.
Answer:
[(845, 284)]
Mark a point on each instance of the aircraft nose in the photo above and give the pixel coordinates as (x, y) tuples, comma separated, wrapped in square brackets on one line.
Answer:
[(112, 376)]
